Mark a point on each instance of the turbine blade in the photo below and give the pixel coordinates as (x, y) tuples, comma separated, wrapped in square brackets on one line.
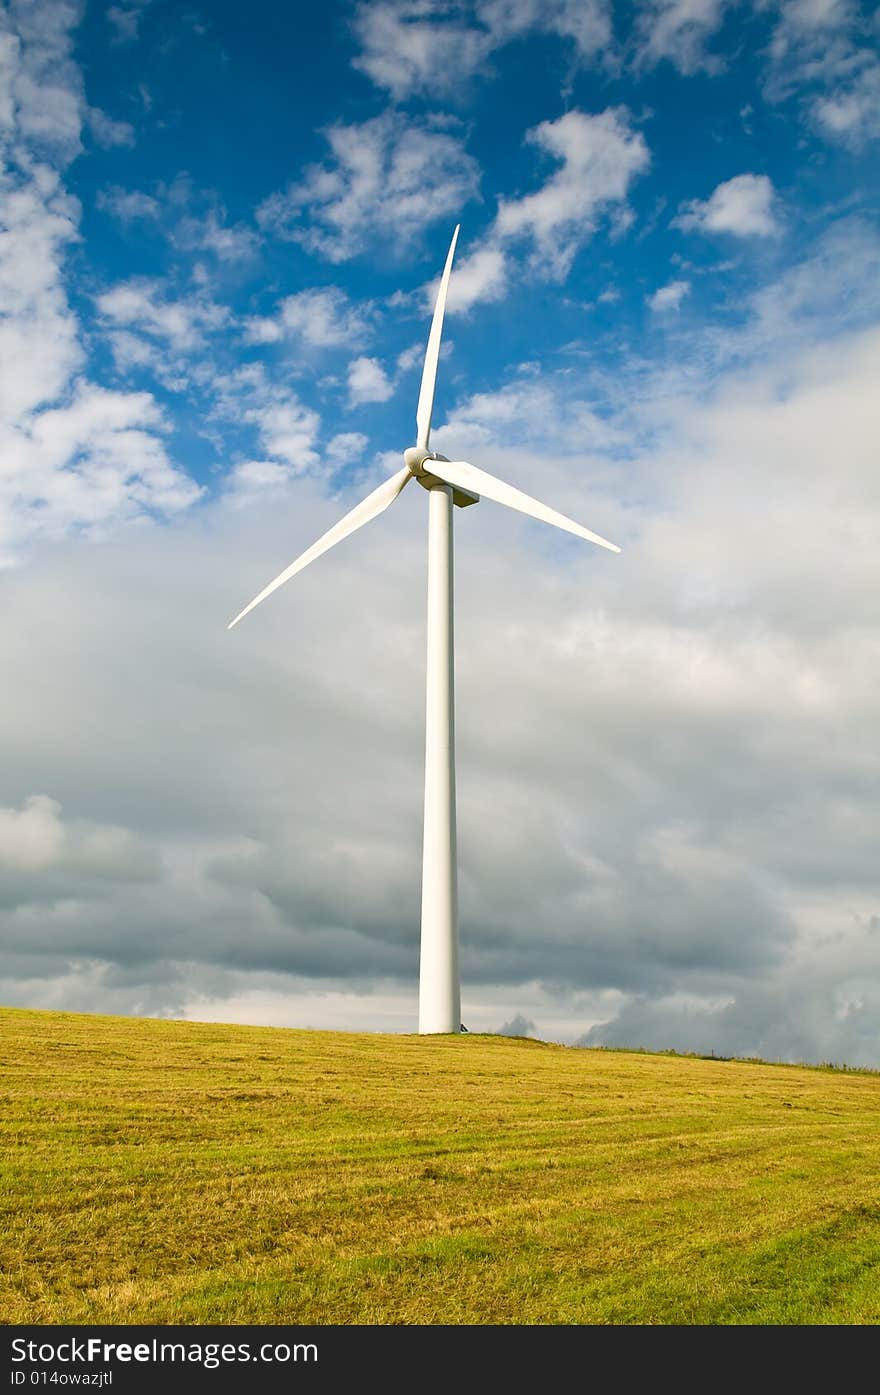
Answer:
[(367, 509), (459, 472), (432, 354)]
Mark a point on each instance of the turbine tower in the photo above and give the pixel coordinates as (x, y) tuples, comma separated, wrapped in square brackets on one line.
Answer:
[(448, 482)]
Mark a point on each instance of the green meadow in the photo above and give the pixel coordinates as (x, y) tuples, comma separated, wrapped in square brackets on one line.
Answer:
[(171, 1172)]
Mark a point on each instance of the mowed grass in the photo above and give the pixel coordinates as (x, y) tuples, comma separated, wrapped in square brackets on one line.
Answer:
[(171, 1172)]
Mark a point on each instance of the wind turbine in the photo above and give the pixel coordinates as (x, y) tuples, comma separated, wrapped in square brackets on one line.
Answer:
[(448, 482)]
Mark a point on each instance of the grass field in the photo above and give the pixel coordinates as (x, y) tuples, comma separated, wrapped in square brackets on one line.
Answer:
[(157, 1171)]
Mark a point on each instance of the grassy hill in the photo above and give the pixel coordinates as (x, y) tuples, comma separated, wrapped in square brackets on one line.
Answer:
[(158, 1171)]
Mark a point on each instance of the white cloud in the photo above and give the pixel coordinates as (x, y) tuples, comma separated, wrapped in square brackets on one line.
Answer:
[(85, 466), (125, 20), (211, 233), (39, 348), (9, 59), (347, 446), (742, 206), (411, 357), (807, 20), (479, 278), (822, 51), (587, 23), (669, 297), (141, 304), (108, 132), (421, 47), (77, 458), (286, 428), (322, 317), (389, 177), (41, 78), (679, 30), (133, 351), (127, 204), (252, 477), (404, 50), (851, 112), (35, 839), (188, 231), (532, 413), (599, 155), (367, 382)]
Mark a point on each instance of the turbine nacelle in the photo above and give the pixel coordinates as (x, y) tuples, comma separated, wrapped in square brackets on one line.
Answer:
[(417, 458)]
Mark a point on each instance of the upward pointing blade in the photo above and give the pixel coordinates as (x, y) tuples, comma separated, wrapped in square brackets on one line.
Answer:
[(459, 472), (432, 355), (367, 509)]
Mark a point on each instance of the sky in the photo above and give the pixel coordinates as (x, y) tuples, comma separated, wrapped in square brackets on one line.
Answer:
[(222, 229)]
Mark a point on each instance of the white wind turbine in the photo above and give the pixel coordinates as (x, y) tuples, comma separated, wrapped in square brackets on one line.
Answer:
[(448, 482)]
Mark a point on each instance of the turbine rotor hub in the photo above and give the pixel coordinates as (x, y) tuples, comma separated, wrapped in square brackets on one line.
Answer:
[(416, 457)]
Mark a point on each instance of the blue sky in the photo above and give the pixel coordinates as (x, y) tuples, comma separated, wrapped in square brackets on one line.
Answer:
[(222, 228), (623, 126)]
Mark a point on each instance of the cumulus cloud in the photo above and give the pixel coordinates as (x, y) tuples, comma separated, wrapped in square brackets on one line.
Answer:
[(599, 156), (851, 112), (404, 49), (742, 206), (286, 428), (823, 53), (43, 97), (368, 382), (526, 412), (36, 839), (86, 465), (191, 220), (143, 304), (481, 277), (347, 446), (148, 326), (76, 455), (410, 47), (669, 297), (815, 293), (255, 476), (125, 20), (679, 31), (322, 317), (388, 177), (212, 233), (106, 131), (585, 23), (127, 205), (39, 346)]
